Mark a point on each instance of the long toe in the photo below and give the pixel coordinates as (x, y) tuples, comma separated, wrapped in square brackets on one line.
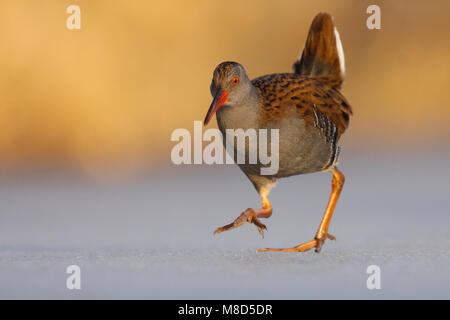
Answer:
[(300, 248), (225, 228), (331, 237)]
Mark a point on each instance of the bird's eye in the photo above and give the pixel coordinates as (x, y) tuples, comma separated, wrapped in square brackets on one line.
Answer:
[(235, 80)]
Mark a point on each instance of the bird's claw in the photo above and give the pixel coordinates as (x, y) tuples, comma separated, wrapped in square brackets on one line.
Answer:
[(246, 216), (261, 227), (317, 243)]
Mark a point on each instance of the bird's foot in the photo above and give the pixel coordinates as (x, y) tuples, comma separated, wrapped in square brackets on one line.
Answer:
[(316, 243), (249, 215)]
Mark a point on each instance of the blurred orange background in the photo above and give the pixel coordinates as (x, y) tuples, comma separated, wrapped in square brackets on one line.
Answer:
[(110, 94)]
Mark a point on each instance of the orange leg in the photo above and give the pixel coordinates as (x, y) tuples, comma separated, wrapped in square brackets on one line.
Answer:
[(251, 215), (322, 233)]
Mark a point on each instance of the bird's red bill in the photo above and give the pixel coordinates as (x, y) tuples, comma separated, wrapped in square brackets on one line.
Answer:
[(220, 98)]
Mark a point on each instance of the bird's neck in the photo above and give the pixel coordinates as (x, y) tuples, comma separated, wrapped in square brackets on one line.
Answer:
[(240, 115)]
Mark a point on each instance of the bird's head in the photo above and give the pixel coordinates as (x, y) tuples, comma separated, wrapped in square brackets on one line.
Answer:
[(230, 86)]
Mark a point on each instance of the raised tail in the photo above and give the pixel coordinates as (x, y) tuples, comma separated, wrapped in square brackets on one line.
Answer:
[(323, 56)]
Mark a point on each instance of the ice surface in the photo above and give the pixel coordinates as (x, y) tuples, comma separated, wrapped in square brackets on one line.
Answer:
[(152, 236)]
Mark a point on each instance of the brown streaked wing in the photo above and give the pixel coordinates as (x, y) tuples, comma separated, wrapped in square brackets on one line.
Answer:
[(280, 92)]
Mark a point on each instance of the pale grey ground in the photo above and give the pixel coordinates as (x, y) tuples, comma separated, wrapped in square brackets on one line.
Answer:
[(151, 237)]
